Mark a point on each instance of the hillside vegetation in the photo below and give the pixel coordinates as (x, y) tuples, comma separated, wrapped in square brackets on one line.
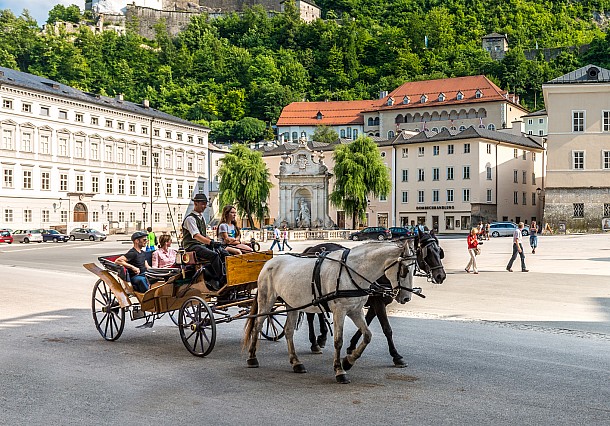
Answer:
[(237, 73)]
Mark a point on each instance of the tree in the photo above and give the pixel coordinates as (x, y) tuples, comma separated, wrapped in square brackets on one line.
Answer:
[(249, 129), (63, 13), (359, 172), (325, 134), (244, 182)]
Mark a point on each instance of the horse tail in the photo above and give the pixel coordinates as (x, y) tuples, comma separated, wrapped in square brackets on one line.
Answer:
[(250, 323)]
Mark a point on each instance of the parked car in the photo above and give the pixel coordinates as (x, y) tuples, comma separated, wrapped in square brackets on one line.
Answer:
[(372, 233), (27, 235), (5, 236), (87, 234), (506, 229), (400, 231), (53, 235)]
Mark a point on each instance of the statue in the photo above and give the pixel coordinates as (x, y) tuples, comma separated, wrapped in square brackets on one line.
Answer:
[(304, 216)]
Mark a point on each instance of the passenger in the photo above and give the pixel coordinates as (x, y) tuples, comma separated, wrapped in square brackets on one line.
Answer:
[(165, 256), (194, 238), (135, 261), (228, 232)]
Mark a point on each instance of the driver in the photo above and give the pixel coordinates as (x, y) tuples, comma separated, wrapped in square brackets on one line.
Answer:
[(194, 238)]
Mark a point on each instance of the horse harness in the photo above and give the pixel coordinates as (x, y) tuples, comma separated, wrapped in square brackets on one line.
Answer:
[(422, 253)]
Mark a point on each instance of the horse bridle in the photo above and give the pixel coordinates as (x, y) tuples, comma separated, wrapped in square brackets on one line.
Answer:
[(403, 271), (422, 253)]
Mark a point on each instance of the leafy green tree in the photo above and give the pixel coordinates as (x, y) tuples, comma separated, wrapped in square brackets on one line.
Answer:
[(325, 134), (64, 13), (244, 182), (359, 173), (249, 129)]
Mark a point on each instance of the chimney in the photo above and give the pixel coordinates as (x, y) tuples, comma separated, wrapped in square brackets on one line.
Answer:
[(119, 97), (517, 127), (146, 103)]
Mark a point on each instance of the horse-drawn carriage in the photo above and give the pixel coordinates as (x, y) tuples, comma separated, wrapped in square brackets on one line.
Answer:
[(182, 293)]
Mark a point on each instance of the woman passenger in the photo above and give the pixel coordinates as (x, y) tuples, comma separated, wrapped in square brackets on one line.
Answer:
[(228, 232), (165, 256)]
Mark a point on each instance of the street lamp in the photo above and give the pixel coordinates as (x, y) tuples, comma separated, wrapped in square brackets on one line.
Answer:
[(264, 232), (541, 196), (57, 206), (144, 215)]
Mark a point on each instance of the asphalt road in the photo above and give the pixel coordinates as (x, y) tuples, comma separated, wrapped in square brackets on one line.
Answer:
[(495, 348)]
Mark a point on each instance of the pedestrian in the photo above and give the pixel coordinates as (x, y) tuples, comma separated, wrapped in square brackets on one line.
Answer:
[(533, 236), (285, 239), (276, 239), (517, 249), (151, 239), (487, 230), (473, 248)]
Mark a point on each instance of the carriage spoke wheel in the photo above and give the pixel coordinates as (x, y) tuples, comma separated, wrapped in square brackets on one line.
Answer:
[(273, 325), (197, 326), (173, 316), (108, 315)]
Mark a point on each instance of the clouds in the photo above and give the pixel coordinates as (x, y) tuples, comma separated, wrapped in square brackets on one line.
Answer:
[(39, 9)]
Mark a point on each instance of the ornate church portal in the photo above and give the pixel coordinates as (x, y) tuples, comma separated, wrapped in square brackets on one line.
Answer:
[(303, 184)]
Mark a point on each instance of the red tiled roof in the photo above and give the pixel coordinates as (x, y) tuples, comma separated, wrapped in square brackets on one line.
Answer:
[(333, 113), (450, 87)]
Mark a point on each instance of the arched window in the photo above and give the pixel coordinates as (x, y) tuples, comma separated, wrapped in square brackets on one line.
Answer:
[(390, 134), (303, 135), (295, 136), (491, 126), (435, 129), (371, 121), (376, 121), (342, 133), (376, 133), (462, 128), (355, 133)]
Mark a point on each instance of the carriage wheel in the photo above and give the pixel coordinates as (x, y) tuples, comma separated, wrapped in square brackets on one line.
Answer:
[(273, 325), (174, 316), (108, 315), (197, 326)]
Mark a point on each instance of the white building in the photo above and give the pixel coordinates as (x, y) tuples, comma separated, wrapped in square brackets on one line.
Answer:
[(70, 158)]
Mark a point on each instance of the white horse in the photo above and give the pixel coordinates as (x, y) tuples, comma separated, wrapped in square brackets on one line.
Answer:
[(347, 278)]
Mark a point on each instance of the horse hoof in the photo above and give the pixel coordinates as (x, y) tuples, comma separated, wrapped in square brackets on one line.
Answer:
[(321, 341), (299, 368), (350, 350), (342, 378), (315, 349), (252, 363), (346, 364), (399, 362)]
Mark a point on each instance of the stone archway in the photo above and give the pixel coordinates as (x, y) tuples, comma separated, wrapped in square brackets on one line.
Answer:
[(81, 213)]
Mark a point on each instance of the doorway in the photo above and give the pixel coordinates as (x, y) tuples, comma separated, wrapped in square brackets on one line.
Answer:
[(81, 213), (341, 219), (435, 224)]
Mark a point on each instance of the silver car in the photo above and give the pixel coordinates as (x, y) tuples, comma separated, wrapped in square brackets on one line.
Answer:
[(87, 234), (506, 229), (28, 235)]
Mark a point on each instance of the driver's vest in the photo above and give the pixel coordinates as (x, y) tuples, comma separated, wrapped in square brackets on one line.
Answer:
[(187, 238)]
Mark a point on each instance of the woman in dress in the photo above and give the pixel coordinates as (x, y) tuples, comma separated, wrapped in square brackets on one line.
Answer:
[(473, 242), (165, 256), (228, 232), (534, 236)]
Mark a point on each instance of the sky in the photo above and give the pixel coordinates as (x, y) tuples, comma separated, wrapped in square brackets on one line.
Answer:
[(39, 9)]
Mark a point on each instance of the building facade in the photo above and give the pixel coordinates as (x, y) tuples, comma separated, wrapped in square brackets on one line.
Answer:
[(536, 123), (577, 190), (73, 159)]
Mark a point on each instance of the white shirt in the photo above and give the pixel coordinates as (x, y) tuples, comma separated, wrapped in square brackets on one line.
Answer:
[(191, 224), (276, 234), (517, 236)]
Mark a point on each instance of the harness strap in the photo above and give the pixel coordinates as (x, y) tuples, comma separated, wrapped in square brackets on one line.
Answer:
[(316, 283)]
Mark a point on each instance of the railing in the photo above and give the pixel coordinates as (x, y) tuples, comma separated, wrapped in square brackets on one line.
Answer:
[(300, 235)]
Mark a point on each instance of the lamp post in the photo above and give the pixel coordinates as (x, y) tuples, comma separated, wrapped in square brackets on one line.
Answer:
[(104, 208), (144, 215), (57, 206), (541, 196), (264, 231)]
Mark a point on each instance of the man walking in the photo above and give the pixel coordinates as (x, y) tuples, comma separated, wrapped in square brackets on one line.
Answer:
[(285, 239), (276, 239), (517, 249)]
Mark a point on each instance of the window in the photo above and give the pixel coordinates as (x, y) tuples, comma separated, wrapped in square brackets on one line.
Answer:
[(26, 142), (462, 128), (420, 196), (524, 154), (524, 199), (606, 209), (180, 165), (120, 125), (121, 186), (144, 158), (466, 172), (44, 111), (8, 178), (27, 215), (533, 156), (157, 189), (8, 215), (450, 173), (436, 172), (524, 176), (121, 216), (489, 148), (95, 216), (200, 140), (144, 188), (606, 121), (383, 198), (169, 190), (478, 94), (156, 133), (435, 149), (157, 217), (390, 134), (155, 159), (606, 160), (466, 195), (131, 156), (63, 181), (459, 96), (108, 150), (63, 115), (579, 210), (168, 135), (109, 216), (435, 195), (27, 179), (533, 178), (489, 195), (179, 136), (109, 186), (95, 184), (7, 140), (405, 175), (488, 172), (449, 149), (45, 216), (578, 121), (578, 160), (94, 151), (45, 147), (132, 216), (179, 190), (466, 148), (189, 138), (132, 127), (533, 198), (450, 195), (26, 108), (515, 197), (80, 183), (108, 123), (78, 118), (515, 176), (78, 149), (540, 132), (516, 153), (45, 180), (95, 121), (63, 147), (405, 153), (144, 130), (530, 121), (132, 187), (420, 151), (168, 161), (421, 175)]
